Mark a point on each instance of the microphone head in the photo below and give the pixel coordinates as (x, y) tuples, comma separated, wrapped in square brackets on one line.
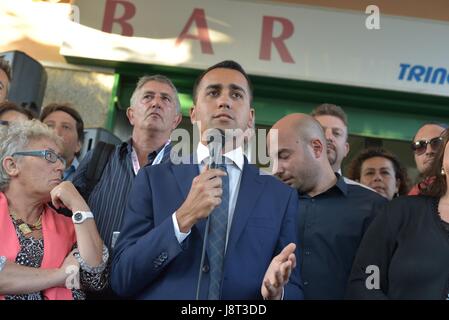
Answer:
[(215, 143), (215, 136)]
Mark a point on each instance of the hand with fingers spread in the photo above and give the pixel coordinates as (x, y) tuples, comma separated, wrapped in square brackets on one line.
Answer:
[(278, 273), (204, 196)]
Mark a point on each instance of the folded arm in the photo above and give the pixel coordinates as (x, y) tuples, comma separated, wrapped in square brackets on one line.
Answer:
[(16, 279)]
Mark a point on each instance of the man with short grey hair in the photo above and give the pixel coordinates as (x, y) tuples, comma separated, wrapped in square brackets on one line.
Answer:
[(154, 113)]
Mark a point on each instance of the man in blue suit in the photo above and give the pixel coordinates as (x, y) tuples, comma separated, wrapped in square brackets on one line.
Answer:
[(159, 252)]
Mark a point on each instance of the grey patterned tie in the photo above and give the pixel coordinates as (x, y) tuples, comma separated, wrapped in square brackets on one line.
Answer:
[(217, 238)]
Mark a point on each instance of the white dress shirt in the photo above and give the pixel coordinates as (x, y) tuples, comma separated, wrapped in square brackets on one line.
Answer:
[(234, 167)]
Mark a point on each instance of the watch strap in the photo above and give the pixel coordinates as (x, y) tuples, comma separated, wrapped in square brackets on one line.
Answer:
[(85, 215)]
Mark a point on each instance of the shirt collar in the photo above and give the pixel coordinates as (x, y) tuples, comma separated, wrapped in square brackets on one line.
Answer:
[(152, 155), (127, 148), (340, 185), (75, 163), (68, 171), (73, 166), (235, 155)]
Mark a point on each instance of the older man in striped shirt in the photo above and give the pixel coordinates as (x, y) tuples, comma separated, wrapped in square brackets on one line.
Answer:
[(154, 113)]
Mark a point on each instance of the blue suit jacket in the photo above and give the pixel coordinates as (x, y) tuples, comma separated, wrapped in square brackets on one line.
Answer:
[(149, 262)]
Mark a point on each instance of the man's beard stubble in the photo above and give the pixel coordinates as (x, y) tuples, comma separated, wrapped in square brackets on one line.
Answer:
[(331, 156)]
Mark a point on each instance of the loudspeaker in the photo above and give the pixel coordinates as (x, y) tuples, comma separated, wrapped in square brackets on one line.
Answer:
[(93, 135), (29, 80)]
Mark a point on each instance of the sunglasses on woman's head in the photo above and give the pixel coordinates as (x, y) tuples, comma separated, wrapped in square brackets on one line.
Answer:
[(420, 146)]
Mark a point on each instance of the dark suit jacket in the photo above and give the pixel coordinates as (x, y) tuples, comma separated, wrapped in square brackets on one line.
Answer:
[(149, 262)]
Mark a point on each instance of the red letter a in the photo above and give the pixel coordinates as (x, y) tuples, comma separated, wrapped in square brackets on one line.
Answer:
[(199, 18)]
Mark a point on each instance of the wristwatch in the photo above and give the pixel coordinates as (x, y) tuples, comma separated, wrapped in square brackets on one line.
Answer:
[(80, 216)]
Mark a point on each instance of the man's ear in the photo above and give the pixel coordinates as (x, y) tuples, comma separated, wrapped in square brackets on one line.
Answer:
[(10, 166), (317, 147), (130, 115), (192, 113), (252, 118), (78, 147), (176, 121), (346, 149)]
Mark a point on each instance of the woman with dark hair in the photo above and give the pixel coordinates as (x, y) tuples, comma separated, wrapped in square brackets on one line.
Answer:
[(381, 171), (405, 251)]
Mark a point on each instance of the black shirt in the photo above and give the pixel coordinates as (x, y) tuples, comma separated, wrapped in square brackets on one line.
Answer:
[(331, 226), (410, 247)]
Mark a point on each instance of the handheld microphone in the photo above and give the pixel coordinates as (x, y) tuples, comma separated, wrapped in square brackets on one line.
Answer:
[(215, 144)]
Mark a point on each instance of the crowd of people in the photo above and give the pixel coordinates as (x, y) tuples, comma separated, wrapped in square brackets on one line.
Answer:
[(136, 225)]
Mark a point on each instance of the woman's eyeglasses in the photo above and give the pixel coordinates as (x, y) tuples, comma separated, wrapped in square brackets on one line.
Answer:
[(49, 155), (420, 146)]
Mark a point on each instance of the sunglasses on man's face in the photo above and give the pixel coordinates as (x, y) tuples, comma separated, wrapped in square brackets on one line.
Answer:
[(420, 146)]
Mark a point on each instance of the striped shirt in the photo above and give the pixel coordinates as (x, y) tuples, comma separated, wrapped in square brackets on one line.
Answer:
[(109, 197)]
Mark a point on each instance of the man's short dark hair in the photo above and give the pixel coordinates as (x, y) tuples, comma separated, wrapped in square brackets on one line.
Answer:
[(67, 108), (328, 109), (11, 106), (227, 64)]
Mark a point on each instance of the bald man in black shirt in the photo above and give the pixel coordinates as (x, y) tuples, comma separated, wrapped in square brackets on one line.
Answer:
[(333, 215)]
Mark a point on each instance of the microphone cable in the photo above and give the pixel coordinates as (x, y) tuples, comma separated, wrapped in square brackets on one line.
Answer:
[(203, 255)]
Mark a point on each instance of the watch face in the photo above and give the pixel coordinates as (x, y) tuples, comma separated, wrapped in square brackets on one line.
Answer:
[(78, 216)]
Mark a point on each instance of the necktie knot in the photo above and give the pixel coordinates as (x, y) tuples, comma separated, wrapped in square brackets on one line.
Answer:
[(220, 163)]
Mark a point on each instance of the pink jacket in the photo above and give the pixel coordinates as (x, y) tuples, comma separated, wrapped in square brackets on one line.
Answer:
[(59, 237)]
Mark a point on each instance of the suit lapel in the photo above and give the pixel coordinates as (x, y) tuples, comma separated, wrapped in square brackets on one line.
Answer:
[(167, 152), (251, 186)]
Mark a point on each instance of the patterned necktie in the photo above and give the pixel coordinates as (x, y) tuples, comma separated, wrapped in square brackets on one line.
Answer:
[(217, 238)]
